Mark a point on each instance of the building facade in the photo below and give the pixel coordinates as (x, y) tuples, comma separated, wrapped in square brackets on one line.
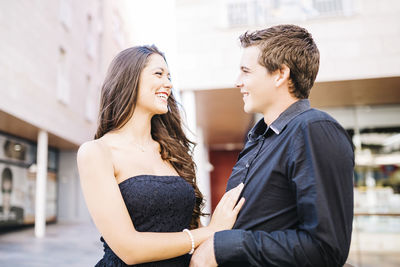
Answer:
[(56, 54), (54, 57), (358, 84), (359, 77)]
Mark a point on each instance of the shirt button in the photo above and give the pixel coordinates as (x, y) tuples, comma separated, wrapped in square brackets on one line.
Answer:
[(247, 165)]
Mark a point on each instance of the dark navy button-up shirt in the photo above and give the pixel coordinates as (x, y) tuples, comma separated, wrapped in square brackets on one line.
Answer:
[(298, 176)]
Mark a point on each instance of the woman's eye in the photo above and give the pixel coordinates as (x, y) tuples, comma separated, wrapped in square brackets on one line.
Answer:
[(159, 73)]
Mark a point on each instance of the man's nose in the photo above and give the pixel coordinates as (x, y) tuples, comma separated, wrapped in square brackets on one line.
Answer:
[(238, 83)]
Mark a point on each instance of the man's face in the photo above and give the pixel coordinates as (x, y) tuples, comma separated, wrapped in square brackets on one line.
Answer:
[(255, 83)]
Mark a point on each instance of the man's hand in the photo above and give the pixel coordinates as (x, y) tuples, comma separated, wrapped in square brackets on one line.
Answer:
[(204, 256)]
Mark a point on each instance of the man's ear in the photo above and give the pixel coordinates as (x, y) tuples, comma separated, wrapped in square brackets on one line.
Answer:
[(283, 75)]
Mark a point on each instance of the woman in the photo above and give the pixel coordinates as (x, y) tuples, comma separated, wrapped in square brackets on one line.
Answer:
[(138, 176)]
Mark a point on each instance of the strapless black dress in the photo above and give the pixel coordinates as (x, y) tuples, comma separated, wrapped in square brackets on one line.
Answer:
[(155, 204)]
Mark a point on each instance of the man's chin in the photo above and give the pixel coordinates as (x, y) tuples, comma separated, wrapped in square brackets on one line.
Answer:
[(248, 109)]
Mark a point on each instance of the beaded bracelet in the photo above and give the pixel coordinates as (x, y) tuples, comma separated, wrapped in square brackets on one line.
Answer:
[(191, 240)]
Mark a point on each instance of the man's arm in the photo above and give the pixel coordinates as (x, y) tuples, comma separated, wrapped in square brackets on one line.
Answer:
[(321, 175)]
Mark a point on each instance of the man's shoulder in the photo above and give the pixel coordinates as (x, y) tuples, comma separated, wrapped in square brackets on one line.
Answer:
[(312, 116), (312, 121)]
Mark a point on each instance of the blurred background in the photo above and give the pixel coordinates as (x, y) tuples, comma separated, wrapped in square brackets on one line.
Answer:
[(53, 58)]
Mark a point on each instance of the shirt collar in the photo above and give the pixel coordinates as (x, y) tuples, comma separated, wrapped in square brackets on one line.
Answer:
[(279, 124)]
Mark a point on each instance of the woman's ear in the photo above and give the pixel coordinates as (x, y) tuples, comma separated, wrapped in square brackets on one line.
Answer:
[(283, 75)]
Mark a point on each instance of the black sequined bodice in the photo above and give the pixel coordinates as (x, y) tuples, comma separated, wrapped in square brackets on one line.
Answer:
[(155, 204)]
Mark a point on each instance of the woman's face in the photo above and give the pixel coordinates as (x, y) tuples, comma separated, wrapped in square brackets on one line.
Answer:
[(154, 86)]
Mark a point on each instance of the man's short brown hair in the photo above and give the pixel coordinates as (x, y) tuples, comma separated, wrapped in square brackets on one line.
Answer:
[(290, 45)]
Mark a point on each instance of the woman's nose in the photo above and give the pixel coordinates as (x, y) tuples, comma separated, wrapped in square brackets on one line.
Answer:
[(168, 83)]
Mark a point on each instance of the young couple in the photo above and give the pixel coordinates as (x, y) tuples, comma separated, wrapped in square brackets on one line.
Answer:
[(289, 199)]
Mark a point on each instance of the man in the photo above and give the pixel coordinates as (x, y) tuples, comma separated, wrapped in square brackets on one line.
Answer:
[(297, 164)]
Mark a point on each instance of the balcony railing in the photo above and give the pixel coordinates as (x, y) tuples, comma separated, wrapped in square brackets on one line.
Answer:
[(259, 12)]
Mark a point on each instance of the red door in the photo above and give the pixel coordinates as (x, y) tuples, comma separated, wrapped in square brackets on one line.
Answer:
[(223, 162)]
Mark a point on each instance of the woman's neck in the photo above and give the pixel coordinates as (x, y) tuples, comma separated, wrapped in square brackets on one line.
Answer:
[(138, 129)]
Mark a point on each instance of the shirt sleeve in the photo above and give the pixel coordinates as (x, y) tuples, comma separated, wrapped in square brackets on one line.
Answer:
[(320, 170)]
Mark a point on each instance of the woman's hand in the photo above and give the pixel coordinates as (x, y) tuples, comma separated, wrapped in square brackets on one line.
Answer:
[(226, 212)]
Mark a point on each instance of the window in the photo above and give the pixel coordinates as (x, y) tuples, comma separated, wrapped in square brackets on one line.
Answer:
[(117, 31), (90, 107), (261, 12), (63, 90), (91, 38), (328, 7), (65, 14), (14, 150), (237, 14)]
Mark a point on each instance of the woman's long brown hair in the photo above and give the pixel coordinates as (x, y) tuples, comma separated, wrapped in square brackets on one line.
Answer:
[(118, 100)]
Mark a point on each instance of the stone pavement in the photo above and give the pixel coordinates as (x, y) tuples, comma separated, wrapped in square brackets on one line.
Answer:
[(65, 244), (78, 245), (374, 259)]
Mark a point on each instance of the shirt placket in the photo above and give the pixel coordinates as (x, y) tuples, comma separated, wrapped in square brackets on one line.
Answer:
[(252, 157)]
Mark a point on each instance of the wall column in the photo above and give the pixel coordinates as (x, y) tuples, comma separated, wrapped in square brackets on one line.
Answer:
[(41, 179), (200, 156)]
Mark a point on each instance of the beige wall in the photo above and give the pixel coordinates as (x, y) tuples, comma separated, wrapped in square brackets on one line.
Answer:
[(362, 45), (32, 34)]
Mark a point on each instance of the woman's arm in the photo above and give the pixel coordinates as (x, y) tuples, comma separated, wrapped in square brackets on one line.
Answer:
[(108, 210)]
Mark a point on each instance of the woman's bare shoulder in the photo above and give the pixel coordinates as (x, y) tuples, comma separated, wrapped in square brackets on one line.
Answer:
[(94, 161), (93, 150)]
